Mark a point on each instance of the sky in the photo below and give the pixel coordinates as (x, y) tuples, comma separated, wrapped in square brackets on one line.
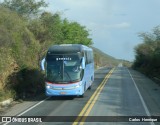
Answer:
[(113, 25)]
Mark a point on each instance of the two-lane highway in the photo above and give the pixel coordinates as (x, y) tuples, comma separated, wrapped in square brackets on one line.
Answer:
[(115, 92), (120, 97)]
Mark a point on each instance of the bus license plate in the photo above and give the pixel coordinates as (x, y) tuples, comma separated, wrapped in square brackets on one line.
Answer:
[(63, 93)]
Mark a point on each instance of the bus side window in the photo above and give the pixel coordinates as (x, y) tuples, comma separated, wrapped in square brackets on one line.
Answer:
[(86, 57), (89, 57)]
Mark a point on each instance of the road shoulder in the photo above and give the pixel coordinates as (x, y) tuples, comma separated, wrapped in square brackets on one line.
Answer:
[(149, 90)]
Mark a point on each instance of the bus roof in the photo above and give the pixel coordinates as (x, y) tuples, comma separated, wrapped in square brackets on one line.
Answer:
[(67, 48)]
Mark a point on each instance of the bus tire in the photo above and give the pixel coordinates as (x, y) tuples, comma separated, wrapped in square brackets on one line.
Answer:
[(89, 88), (81, 96)]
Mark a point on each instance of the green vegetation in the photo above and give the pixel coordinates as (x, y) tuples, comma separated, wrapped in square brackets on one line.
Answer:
[(26, 9), (18, 50), (148, 53), (126, 63)]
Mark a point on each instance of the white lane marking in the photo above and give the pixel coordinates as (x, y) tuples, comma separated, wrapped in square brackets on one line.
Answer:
[(33, 106), (29, 109), (142, 100)]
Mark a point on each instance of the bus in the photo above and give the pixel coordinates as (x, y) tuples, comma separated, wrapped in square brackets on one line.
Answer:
[(69, 70)]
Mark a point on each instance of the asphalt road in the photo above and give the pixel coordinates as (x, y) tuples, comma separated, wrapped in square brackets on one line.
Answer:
[(122, 93)]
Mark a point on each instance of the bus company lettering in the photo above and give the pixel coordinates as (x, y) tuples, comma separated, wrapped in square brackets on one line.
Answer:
[(66, 59)]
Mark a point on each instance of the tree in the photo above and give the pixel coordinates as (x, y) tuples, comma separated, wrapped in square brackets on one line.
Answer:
[(148, 53), (53, 23), (25, 8), (75, 33)]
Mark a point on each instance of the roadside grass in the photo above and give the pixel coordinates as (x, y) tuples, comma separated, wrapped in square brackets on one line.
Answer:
[(6, 94), (23, 84)]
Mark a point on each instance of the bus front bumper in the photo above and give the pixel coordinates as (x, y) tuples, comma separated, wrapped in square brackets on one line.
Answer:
[(64, 92)]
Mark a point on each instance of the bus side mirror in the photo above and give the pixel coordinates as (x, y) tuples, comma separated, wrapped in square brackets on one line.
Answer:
[(83, 63), (42, 64)]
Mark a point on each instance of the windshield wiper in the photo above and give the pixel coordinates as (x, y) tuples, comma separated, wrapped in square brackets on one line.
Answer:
[(68, 75)]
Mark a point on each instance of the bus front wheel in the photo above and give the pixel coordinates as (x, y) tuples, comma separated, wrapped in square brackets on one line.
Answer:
[(89, 88)]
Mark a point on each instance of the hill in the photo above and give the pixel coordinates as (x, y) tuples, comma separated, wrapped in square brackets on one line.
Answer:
[(102, 59)]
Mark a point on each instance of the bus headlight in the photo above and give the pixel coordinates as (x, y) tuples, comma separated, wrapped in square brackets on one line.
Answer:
[(48, 86), (78, 85)]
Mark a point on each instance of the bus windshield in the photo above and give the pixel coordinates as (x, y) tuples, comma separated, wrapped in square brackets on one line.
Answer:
[(63, 68)]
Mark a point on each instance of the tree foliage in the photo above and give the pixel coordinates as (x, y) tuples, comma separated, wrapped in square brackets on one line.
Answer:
[(25, 8), (148, 53), (50, 27), (18, 48), (73, 32)]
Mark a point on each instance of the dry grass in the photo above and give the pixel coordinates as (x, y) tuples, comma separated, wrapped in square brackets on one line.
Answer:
[(7, 67)]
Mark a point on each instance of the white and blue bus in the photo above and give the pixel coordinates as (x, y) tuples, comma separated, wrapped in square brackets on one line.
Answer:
[(69, 70)]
